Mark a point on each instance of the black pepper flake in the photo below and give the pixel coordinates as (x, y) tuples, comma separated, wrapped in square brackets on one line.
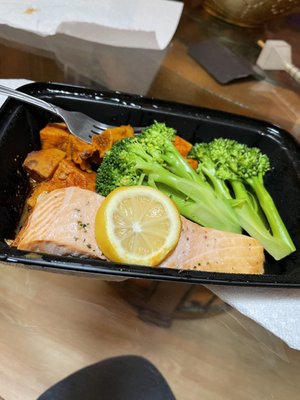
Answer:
[(83, 225)]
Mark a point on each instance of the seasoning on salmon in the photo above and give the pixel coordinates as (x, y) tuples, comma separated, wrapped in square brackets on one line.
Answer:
[(63, 223), (206, 249)]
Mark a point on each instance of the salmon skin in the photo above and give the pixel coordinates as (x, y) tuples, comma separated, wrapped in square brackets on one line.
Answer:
[(63, 223)]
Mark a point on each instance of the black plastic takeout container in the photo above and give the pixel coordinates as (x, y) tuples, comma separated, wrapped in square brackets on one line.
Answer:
[(19, 134)]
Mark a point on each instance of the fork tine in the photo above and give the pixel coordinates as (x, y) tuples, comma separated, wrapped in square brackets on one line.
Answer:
[(98, 129), (138, 129)]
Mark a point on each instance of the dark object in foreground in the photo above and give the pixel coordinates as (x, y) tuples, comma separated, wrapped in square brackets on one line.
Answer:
[(117, 378)]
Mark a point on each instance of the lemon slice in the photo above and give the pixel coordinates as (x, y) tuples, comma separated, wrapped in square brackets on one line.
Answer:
[(137, 225)]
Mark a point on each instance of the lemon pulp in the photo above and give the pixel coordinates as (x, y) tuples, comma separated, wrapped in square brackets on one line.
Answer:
[(138, 225)]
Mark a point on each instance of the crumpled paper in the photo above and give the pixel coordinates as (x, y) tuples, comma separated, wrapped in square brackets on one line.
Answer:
[(131, 23)]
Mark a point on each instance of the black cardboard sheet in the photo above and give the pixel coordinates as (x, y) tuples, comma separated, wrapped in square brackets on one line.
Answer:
[(219, 61)]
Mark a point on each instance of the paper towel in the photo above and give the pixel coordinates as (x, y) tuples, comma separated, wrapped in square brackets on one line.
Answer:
[(276, 309)]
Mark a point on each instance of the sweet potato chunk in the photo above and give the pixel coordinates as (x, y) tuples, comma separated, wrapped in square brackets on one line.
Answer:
[(56, 135), (74, 169), (104, 142), (67, 174), (182, 145), (193, 163), (41, 164)]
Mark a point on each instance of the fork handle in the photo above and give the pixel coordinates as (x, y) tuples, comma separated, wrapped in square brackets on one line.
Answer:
[(29, 99)]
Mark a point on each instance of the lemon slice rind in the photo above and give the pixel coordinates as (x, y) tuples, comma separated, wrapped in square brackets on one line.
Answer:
[(137, 225)]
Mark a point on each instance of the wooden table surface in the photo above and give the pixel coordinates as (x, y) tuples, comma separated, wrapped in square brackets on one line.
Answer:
[(53, 324)]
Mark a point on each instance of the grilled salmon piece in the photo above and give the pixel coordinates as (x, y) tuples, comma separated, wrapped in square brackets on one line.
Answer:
[(206, 249), (63, 223)]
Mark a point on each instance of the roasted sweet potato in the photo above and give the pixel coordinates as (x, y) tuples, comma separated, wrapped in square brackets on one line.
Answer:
[(193, 163), (67, 160), (105, 141), (184, 147), (67, 174), (41, 164), (57, 136)]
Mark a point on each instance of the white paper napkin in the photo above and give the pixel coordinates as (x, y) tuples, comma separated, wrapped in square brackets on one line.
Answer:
[(124, 23), (277, 310)]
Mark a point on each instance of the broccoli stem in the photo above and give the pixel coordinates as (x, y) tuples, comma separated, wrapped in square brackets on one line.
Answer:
[(179, 166), (274, 219), (207, 209), (219, 186), (236, 171), (192, 210), (276, 245)]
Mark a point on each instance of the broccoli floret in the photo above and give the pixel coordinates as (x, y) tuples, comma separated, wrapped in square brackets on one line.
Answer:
[(236, 172), (152, 159), (117, 169), (158, 139)]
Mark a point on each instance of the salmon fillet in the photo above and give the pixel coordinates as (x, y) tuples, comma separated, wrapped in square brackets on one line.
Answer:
[(63, 223), (206, 249)]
